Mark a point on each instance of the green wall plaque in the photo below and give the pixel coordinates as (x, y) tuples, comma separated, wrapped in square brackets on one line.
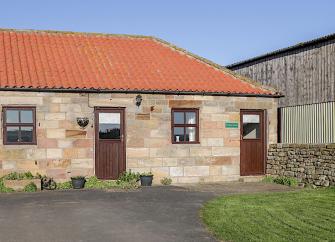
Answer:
[(231, 125)]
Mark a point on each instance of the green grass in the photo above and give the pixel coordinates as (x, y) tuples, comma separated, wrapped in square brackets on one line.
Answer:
[(305, 215)]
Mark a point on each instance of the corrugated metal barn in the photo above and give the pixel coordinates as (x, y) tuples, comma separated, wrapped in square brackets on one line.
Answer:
[(305, 74)]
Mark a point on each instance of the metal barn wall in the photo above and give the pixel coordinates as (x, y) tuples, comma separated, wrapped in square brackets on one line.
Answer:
[(308, 124)]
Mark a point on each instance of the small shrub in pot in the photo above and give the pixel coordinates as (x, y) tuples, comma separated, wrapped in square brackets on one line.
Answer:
[(78, 182), (146, 179)]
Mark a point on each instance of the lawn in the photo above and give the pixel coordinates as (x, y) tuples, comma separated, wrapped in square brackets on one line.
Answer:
[(305, 215)]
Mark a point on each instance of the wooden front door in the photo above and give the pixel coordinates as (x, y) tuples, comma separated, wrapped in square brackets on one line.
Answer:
[(110, 159), (253, 143)]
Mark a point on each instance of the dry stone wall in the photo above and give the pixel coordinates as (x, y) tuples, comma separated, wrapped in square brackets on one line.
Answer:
[(313, 164)]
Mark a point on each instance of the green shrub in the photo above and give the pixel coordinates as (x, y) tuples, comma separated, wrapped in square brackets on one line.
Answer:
[(31, 187), (146, 174), (64, 185), (282, 180), (268, 179), (166, 181), (128, 185), (19, 176), (128, 176), (3, 188), (287, 181), (94, 183)]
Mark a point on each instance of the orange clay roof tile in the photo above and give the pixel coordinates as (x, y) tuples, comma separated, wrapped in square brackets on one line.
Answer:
[(61, 60)]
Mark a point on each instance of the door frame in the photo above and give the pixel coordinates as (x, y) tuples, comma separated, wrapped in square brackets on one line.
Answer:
[(96, 129), (265, 131)]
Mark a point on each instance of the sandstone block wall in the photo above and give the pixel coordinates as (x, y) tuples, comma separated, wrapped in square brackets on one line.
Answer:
[(313, 164), (64, 150)]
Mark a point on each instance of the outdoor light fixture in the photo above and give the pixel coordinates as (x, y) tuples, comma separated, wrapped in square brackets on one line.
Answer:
[(138, 100), (82, 122)]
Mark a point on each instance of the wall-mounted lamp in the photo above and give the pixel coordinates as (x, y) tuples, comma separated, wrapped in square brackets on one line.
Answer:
[(83, 122), (138, 100)]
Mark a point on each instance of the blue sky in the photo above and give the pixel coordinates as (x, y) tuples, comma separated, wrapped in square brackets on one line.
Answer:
[(222, 31)]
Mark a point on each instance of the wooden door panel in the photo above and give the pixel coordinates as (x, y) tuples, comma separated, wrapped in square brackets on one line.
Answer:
[(109, 143), (253, 133)]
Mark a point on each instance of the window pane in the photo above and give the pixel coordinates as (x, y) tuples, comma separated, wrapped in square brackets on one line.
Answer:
[(109, 126), (191, 134), (190, 118), (251, 118), (26, 134), (12, 116), (12, 134), (251, 126), (178, 134), (178, 117), (26, 116)]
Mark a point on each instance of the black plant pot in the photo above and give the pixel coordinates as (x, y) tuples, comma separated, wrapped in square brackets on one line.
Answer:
[(78, 183), (146, 180)]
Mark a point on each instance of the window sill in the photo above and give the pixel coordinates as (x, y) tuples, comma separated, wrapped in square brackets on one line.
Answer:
[(185, 143), (20, 146)]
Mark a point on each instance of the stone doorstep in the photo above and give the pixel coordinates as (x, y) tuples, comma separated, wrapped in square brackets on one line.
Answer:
[(251, 178), (18, 185)]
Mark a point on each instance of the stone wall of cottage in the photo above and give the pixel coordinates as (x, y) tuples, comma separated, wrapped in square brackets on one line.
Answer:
[(313, 164), (64, 149)]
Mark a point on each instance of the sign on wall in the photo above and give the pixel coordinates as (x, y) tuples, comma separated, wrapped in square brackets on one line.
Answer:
[(231, 125)]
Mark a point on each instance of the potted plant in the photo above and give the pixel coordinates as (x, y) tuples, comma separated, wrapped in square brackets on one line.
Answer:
[(78, 182), (146, 179)]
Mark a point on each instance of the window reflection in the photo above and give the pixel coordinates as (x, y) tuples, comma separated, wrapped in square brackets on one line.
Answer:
[(109, 126), (190, 134), (26, 116), (251, 126), (12, 116), (12, 134), (178, 117), (178, 134), (26, 134)]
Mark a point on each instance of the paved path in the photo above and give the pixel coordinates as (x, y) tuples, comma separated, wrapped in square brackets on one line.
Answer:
[(150, 214)]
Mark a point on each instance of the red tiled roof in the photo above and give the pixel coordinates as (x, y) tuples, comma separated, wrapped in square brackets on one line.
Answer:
[(61, 60)]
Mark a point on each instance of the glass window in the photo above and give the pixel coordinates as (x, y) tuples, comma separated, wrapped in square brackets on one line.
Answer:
[(13, 134), (27, 134), (190, 134), (12, 116), (19, 125), (251, 126), (26, 116), (109, 126), (190, 117), (185, 127), (178, 134), (178, 118)]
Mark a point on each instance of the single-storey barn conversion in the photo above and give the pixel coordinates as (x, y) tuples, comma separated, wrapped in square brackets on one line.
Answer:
[(99, 104)]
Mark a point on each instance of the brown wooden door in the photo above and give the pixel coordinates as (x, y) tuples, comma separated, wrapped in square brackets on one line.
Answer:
[(109, 143), (253, 133)]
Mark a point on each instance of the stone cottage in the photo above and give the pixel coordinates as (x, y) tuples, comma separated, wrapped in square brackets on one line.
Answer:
[(98, 104)]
